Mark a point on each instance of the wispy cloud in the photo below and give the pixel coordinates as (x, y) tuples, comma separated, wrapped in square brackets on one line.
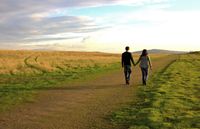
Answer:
[(22, 19)]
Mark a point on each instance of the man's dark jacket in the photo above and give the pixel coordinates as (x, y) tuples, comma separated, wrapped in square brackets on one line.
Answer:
[(127, 58)]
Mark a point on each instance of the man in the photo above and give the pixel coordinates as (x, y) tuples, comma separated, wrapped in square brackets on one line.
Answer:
[(126, 64)]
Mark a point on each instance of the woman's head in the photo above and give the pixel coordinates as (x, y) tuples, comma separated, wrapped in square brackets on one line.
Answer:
[(144, 52)]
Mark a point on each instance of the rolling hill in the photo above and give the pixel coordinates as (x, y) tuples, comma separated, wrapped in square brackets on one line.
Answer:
[(158, 51)]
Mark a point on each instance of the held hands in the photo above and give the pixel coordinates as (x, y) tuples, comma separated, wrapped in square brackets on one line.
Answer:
[(134, 64)]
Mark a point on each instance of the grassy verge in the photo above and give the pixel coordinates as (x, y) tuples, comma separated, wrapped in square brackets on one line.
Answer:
[(170, 101), (18, 88)]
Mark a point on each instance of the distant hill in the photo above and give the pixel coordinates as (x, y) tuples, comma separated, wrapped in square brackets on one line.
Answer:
[(195, 52), (157, 51)]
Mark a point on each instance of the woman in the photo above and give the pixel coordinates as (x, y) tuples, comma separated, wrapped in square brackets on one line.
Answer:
[(145, 63)]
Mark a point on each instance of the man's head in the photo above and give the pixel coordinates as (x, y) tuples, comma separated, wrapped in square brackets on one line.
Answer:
[(127, 48)]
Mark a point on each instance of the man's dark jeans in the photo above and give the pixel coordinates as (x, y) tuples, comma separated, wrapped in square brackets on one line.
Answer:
[(127, 72), (144, 75)]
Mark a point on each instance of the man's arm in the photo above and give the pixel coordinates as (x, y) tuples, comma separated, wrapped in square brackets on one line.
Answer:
[(132, 60), (122, 60)]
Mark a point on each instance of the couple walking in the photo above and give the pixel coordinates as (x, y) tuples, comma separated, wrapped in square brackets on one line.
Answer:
[(144, 61)]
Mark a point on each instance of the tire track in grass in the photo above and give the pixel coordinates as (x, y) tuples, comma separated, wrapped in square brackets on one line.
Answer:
[(36, 58), (38, 68)]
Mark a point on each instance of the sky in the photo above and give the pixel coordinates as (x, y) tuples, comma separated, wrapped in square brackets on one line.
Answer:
[(100, 25)]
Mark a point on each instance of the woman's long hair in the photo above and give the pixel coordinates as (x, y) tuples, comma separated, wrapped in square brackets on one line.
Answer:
[(144, 53)]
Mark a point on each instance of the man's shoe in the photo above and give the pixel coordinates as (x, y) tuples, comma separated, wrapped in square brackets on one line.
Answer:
[(127, 82)]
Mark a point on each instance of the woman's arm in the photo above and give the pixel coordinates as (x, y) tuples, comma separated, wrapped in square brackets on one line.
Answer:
[(138, 61), (150, 64)]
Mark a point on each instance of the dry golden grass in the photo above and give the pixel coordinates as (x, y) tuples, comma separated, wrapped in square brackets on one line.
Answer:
[(27, 62), (17, 62)]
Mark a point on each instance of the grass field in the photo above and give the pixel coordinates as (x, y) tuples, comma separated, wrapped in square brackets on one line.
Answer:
[(22, 73), (46, 101), (170, 101)]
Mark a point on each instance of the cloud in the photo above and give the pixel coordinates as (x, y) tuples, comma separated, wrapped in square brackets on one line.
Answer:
[(22, 27), (53, 45), (23, 19), (36, 24)]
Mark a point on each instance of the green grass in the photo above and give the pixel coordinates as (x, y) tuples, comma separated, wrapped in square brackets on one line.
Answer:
[(170, 101), (19, 88)]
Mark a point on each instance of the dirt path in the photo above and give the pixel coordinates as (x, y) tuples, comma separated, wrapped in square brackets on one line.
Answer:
[(78, 106)]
